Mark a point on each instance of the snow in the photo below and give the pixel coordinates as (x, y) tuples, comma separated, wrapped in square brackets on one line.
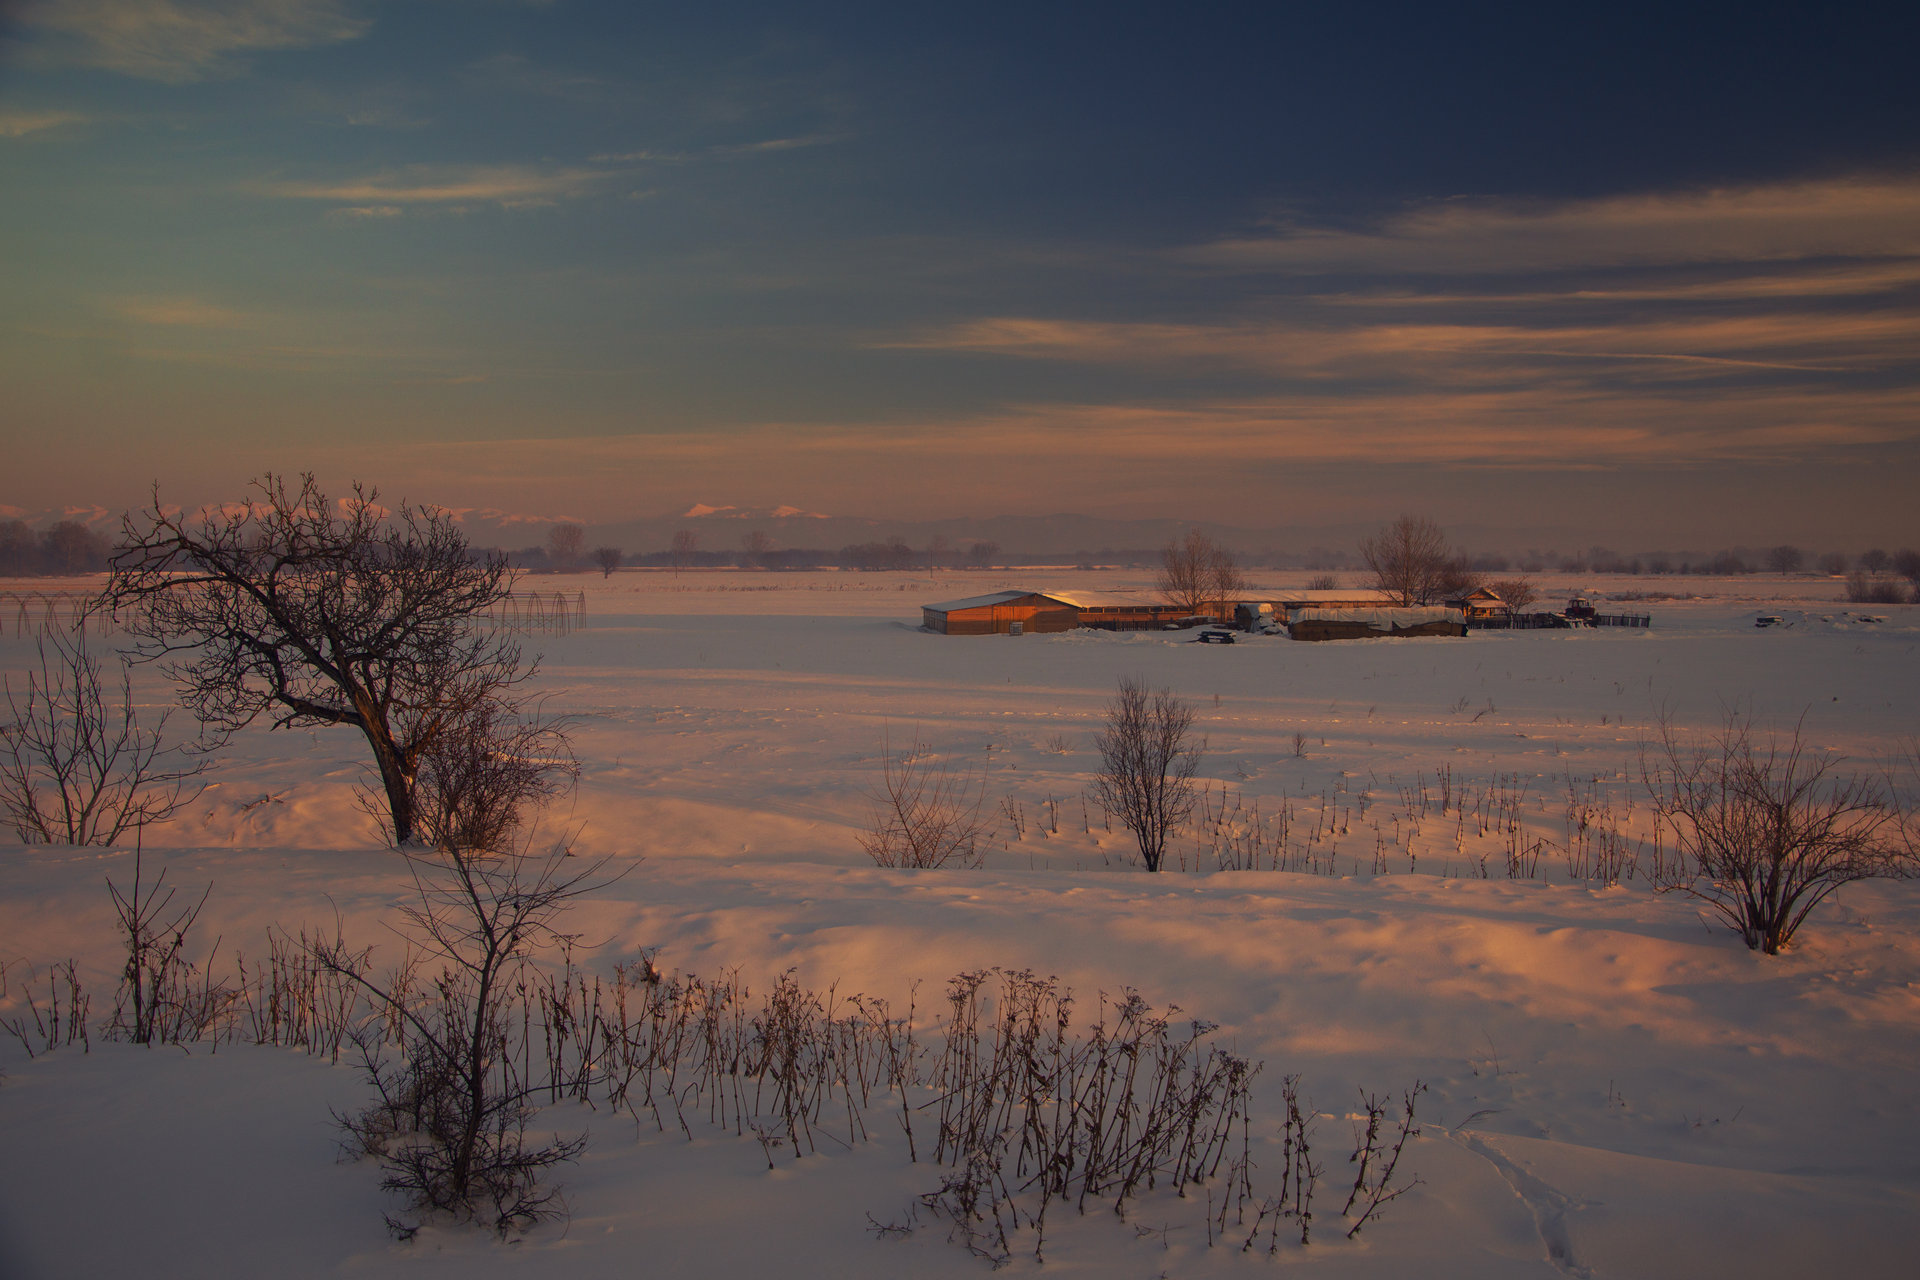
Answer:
[(1617, 1087)]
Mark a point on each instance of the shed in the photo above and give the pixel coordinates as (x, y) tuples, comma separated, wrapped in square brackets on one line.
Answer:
[(996, 612)]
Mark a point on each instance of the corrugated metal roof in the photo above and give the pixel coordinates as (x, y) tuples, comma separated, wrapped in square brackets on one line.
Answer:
[(1414, 616), (979, 602), (1102, 599), (1357, 595)]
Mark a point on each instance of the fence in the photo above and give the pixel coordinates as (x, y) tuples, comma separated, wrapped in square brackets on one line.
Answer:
[(1556, 621)]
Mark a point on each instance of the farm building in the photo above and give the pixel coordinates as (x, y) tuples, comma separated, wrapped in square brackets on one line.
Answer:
[(998, 612), (1288, 604), (1367, 624), (1481, 602)]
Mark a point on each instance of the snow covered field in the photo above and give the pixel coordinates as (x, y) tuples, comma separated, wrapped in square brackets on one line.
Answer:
[(1616, 1088)]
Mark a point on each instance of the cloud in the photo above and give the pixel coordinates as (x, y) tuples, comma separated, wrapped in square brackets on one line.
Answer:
[(1865, 217), (778, 144), (512, 186), (179, 41), (1812, 342), (18, 124), (1811, 282), (179, 312)]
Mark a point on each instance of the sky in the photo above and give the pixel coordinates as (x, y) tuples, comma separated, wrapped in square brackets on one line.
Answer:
[(1652, 269)]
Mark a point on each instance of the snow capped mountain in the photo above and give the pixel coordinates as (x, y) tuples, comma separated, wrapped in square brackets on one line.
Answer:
[(700, 511)]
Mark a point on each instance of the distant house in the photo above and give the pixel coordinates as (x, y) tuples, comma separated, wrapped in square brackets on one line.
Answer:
[(1481, 602), (998, 612)]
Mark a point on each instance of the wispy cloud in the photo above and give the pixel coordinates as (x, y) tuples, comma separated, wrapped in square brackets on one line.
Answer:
[(18, 124), (777, 144), (179, 312), (508, 185), (1812, 342), (1853, 218), (179, 41)]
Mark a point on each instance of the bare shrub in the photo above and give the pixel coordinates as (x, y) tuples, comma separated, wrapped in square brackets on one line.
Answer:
[(1323, 582), (76, 767), (1147, 765), (484, 769), (608, 558), (450, 1124), (163, 997), (1863, 588), (64, 1020), (1768, 828), (925, 814)]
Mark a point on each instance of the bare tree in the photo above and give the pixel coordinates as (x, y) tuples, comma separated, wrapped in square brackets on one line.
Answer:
[(1147, 766), (565, 545), (1517, 593), (754, 546), (925, 814), (1770, 827), (1323, 582), (76, 767), (1834, 563), (320, 615), (1199, 575), (685, 543), (1410, 560), (1875, 560), (608, 558), (1785, 559)]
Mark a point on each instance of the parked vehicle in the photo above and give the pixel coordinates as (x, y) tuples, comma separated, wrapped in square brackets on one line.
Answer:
[(1216, 635)]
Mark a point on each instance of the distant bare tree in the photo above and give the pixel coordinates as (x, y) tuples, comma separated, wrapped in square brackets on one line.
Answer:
[(1518, 593), (71, 547), (685, 543), (76, 767), (608, 558), (1834, 563), (1770, 827), (981, 555), (1199, 575), (1323, 582), (924, 814), (1411, 561), (1147, 766), (1875, 561), (1785, 559), (19, 550), (754, 546), (1906, 563), (566, 543)]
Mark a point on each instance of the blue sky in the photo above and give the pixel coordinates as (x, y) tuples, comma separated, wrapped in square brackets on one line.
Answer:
[(1270, 264)]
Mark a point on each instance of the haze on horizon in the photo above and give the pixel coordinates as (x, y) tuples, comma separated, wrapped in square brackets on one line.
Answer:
[(1517, 268)]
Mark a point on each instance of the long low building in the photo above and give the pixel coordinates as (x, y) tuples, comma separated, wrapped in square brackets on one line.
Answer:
[(1001, 612)]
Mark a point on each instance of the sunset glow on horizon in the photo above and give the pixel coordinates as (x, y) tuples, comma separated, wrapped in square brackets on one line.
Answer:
[(1269, 268)]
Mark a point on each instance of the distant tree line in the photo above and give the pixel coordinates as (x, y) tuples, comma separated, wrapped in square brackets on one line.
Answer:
[(62, 548)]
